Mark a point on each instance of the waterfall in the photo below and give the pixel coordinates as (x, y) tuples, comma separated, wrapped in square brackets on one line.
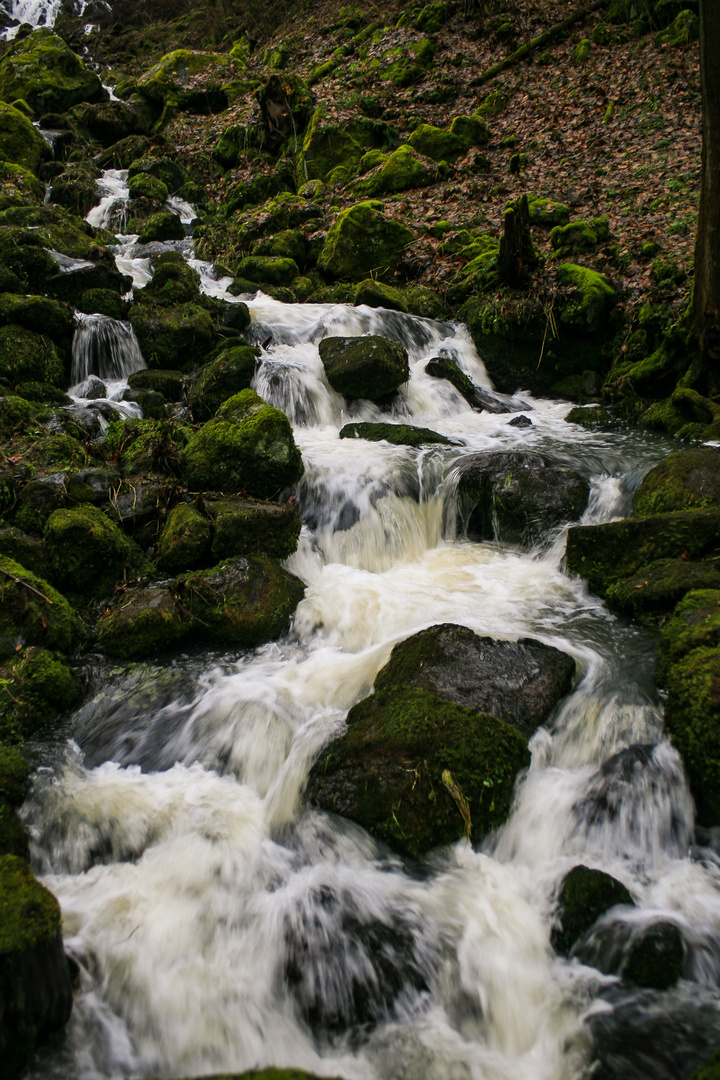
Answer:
[(105, 347)]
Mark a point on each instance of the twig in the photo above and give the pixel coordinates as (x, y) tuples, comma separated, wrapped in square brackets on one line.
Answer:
[(19, 581)]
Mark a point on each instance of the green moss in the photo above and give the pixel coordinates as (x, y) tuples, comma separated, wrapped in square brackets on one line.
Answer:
[(692, 719), (377, 294), (174, 282), (404, 169), (246, 527), (595, 297), (595, 416), (471, 130), (362, 241), (582, 52), (89, 553), (371, 160), (29, 913), (493, 104), (656, 588), (274, 270), (683, 31), (185, 539), (161, 226), (42, 686), (221, 378), (287, 244), (409, 761), (328, 146), (14, 773), (248, 446), (709, 1070), (168, 383), (546, 213), (397, 434), (573, 238), (369, 367), (20, 143), (585, 895), (685, 480), (28, 357), (38, 313), (43, 71), (15, 413), (178, 337), (144, 186), (26, 617), (143, 623), (169, 77), (436, 143), (695, 624)]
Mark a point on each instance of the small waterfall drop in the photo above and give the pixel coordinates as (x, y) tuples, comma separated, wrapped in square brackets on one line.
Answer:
[(105, 347)]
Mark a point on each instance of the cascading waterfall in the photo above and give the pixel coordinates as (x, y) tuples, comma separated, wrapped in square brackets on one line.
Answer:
[(104, 347), (220, 925)]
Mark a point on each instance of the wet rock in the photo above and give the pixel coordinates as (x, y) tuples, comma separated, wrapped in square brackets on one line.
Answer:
[(248, 446), (520, 682), (26, 550), (97, 483), (167, 383), (247, 526), (397, 434), (91, 388), (176, 337), (221, 378), (137, 508), (521, 421), (35, 983), (185, 539), (606, 554), (145, 621), (585, 895), (442, 367), (517, 497), (368, 367), (695, 624), (151, 403), (651, 955), (39, 498), (89, 554), (378, 295), (685, 480), (692, 720), (418, 771)]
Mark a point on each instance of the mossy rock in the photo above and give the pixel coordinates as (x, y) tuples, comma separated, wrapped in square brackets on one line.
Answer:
[(396, 434), (109, 122), (43, 71), (695, 624), (144, 622), (15, 414), (329, 146), (547, 213), (221, 378), (270, 269), (376, 294), (517, 497), (159, 227), (402, 170), (418, 772), (185, 540), (42, 685), (27, 617), (248, 446), (692, 720), (148, 447), (686, 480), (26, 356), (35, 982), (249, 526), (20, 142), (244, 601), (368, 367), (582, 52), (14, 776), (168, 383), (520, 682), (651, 593), (589, 416), (585, 895), (492, 105), (437, 144), (171, 78), (596, 298), (709, 1070), (40, 314), (362, 241), (174, 282), (608, 553), (287, 244), (89, 553), (177, 337), (574, 238), (18, 187), (164, 169), (683, 31), (145, 186)]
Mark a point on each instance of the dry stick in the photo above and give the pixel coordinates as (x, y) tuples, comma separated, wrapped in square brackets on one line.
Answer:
[(19, 581), (537, 43)]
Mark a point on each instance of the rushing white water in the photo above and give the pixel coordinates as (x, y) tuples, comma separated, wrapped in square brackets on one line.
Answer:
[(220, 925), (104, 347), (34, 13)]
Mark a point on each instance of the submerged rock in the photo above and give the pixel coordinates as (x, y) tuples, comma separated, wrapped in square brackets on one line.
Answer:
[(442, 367), (368, 367), (520, 682), (517, 497), (585, 895), (651, 955), (35, 987), (418, 771)]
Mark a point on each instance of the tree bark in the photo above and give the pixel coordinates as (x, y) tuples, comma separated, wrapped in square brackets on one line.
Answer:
[(706, 292)]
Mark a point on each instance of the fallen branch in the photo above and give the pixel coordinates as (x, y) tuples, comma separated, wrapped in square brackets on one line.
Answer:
[(19, 581), (537, 43)]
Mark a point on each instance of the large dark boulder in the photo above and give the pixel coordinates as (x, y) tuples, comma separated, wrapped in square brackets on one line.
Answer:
[(89, 553), (520, 682), (516, 496), (244, 526), (651, 955), (41, 70), (686, 480), (364, 367), (418, 771), (397, 434), (221, 378), (35, 988), (585, 895)]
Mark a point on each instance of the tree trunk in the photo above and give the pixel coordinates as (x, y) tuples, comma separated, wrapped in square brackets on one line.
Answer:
[(706, 295), (517, 254)]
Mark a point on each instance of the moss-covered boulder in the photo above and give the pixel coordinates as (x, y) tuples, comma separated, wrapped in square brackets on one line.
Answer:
[(221, 378), (686, 480), (41, 684), (658, 586), (585, 895), (20, 142), (179, 336), (517, 497), (397, 434), (243, 601), (145, 186), (418, 771), (28, 357), (332, 152), (40, 314), (35, 986), (43, 71), (695, 624), (143, 623), (248, 446), (438, 144), (186, 79), (167, 383), (444, 367), (520, 682), (692, 719), (14, 776), (592, 300), (33, 612), (159, 227), (249, 526), (110, 122), (185, 539), (606, 554), (546, 212), (364, 367), (268, 269), (402, 170), (377, 294), (361, 241), (655, 957), (89, 553), (174, 282)]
